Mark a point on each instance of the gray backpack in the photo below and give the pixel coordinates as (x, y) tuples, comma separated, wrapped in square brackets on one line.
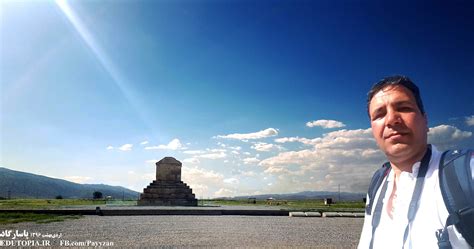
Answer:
[(457, 189)]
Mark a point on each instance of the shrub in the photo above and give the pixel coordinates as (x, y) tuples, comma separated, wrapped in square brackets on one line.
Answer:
[(97, 195)]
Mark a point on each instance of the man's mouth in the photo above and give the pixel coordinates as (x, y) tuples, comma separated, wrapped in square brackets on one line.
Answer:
[(395, 135)]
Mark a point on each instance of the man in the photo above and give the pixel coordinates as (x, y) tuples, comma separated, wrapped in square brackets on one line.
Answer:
[(399, 126)]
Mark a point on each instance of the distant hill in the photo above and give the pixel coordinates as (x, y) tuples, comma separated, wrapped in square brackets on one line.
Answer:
[(306, 195), (27, 185)]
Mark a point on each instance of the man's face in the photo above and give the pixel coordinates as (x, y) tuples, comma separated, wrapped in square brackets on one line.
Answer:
[(398, 126)]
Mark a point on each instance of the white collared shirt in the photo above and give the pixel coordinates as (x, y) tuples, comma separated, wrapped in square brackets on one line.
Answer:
[(430, 217)]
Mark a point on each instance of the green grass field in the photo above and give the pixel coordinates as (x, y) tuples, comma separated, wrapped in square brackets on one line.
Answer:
[(9, 218), (24, 204), (290, 204), (300, 205), (46, 203)]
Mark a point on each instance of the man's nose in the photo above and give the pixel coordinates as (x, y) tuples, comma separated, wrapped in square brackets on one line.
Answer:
[(393, 118)]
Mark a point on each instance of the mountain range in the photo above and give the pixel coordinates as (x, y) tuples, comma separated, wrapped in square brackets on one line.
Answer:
[(307, 195), (17, 184)]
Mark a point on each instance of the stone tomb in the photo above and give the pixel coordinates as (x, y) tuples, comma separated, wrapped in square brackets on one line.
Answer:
[(168, 189)]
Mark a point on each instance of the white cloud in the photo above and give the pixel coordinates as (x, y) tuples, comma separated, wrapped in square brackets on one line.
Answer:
[(346, 139), (191, 160), (216, 150), (345, 157), (265, 147), (351, 156), (232, 181), (298, 139), (290, 157), (287, 139), (152, 161), (110, 147), (174, 144), (224, 192), (131, 177), (235, 152), (126, 147), (144, 142), (213, 155), (194, 152), (201, 190), (201, 176), (203, 182), (470, 120), (336, 139), (251, 160), (326, 124), (78, 179), (248, 173), (148, 177), (351, 133), (270, 132), (446, 136)]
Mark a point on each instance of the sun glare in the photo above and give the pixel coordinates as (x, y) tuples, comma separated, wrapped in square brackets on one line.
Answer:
[(103, 59)]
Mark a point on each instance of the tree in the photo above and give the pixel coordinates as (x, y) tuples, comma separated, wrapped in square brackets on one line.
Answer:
[(59, 197), (97, 195)]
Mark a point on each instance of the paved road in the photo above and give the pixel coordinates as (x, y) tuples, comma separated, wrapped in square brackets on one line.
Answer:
[(203, 231)]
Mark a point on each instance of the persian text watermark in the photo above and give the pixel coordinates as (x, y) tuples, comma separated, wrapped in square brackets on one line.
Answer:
[(23, 238)]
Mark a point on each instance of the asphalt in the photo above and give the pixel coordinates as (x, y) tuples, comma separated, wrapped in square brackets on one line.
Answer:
[(189, 231)]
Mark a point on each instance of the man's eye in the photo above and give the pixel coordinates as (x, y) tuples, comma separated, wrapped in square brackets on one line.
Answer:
[(377, 115), (406, 109)]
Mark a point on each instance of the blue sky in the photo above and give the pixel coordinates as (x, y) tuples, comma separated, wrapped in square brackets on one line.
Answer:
[(252, 96)]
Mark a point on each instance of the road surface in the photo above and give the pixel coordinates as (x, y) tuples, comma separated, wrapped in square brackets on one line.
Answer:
[(196, 231)]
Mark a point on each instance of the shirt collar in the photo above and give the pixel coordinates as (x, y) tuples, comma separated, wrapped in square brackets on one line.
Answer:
[(414, 169)]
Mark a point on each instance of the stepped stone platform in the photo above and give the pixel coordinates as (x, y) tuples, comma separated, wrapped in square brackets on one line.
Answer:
[(167, 189)]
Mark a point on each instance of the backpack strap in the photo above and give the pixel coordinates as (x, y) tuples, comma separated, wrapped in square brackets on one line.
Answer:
[(375, 183), (457, 188)]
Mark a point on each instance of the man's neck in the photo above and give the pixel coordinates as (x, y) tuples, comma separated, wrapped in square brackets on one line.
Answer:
[(406, 164)]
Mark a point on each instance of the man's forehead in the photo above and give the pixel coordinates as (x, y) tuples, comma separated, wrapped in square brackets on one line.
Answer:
[(398, 92), (395, 95)]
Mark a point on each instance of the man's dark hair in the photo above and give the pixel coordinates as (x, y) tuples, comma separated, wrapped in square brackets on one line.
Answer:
[(396, 80)]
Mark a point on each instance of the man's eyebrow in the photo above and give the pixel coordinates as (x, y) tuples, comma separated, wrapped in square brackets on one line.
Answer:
[(397, 104), (378, 109), (403, 102)]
